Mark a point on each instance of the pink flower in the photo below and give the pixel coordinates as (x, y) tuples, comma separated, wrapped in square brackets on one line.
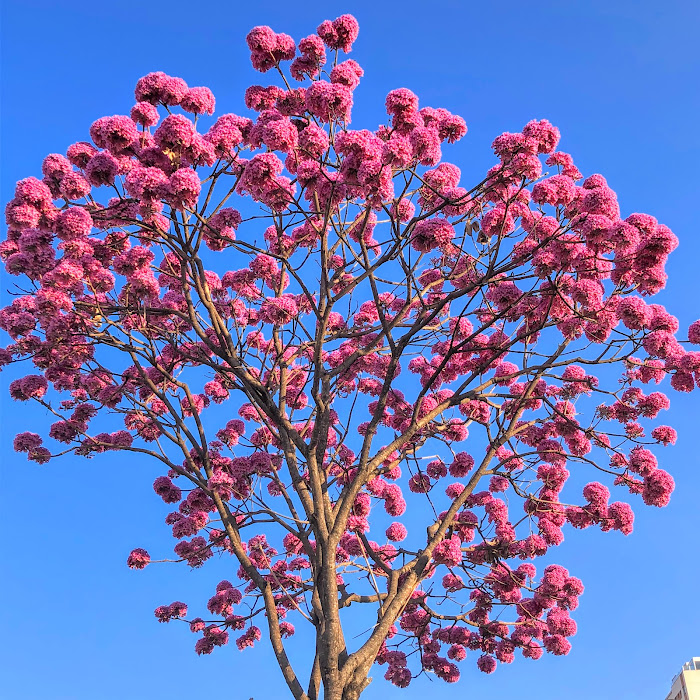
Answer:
[(683, 381), (566, 162), (694, 333), (347, 73), (145, 114), (54, 168), (394, 504), (227, 134), (340, 33), (74, 186), (307, 235), (261, 39), (452, 583), (278, 134), (649, 406), (498, 222), (503, 374), (159, 88), (116, 133), (165, 488), (664, 434), (543, 134), (213, 637), (425, 142), (313, 140), (329, 101), (313, 56), (448, 552), (183, 189), (80, 153), (197, 625), (462, 464), (507, 145), (260, 98), (198, 100), (597, 495), (146, 183), (602, 201), (27, 442), (658, 486), (136, 258), (557, 644), (267, 49), (248, 639), (419, 483), (221, 228), (634, 312), (498, 484), (429, 234), (401, 101), (138, 559), (175, 133), (165, 613), (259, 173), (73, 223), (224, 600), (34, 192), (221, 483), (486, 663), (621, 516), (642, 461), (30, 387), (102, 169), (558, 190), (450, 127), (292, 102), (279, 311), (396, 532), (286, 629), (400, 676), (194, 404), (403, 210)]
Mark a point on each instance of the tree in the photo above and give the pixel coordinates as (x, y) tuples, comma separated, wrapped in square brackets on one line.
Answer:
[(359, 342)]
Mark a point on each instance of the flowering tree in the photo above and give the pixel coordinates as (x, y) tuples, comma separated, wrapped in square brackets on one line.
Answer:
[(360, 341)]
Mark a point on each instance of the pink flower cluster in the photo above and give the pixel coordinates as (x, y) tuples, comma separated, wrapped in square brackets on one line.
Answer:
[(267, 48)]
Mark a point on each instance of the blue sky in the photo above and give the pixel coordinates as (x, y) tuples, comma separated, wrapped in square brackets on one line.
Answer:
[(620, 81)]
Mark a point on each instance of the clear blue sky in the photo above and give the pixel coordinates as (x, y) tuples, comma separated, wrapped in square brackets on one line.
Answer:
[(619, 78)]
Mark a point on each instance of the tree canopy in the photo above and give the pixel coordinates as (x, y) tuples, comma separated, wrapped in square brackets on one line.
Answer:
[(378, 391)]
